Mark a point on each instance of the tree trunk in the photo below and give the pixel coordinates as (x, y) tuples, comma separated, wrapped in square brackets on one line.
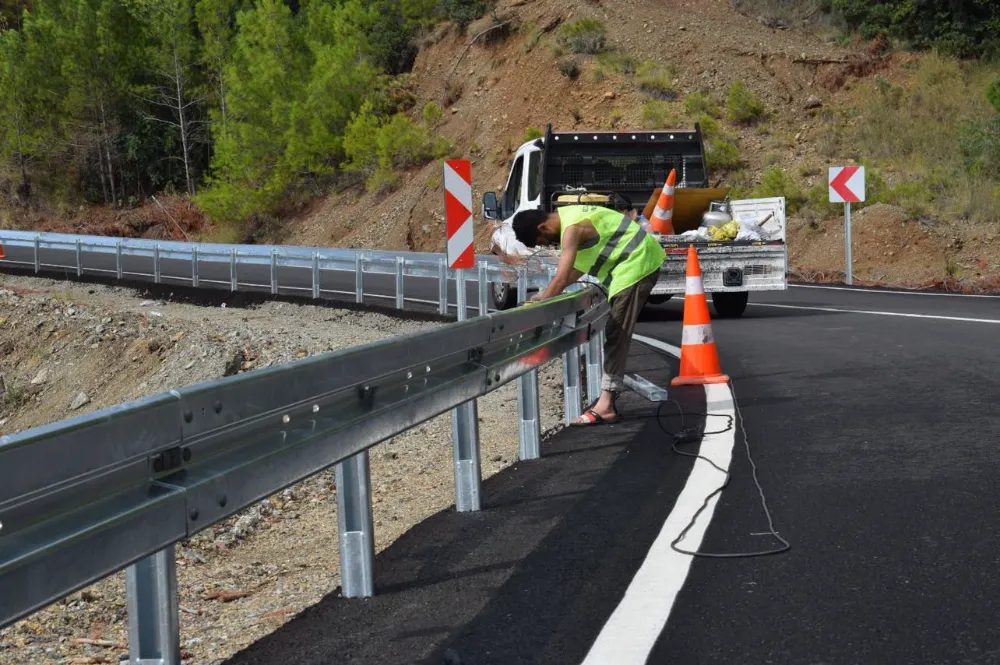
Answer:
[(107, 148), (183, 124)]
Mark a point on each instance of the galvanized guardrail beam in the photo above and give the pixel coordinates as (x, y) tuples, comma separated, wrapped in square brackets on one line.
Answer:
[(83, 498)]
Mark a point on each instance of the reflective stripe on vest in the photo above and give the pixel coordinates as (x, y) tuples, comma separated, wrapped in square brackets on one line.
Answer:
[(622, 255)]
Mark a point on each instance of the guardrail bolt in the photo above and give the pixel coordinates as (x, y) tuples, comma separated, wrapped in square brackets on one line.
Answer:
[(193, 514), (223, 500), (218, 407)]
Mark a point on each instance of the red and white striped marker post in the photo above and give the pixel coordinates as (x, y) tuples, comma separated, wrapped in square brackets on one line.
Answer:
[(461, 256), (458, 213)]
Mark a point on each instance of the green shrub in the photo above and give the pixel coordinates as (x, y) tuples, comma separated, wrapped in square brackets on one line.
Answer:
[(377, 147), (656, 80), (383, 181), (775, 182), (993, 94), (709, 127), (432, 114), (964, 29), (743, 106), (698, 103), (618, 63), (979, 143), (721, 154), (569, 68), (532, 133), (464, 12), (584, 35), (657, 114)]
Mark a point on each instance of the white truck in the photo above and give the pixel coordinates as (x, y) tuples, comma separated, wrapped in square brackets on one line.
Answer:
[(624, 169)]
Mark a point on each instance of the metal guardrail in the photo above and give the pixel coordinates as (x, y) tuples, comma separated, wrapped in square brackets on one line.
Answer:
[(410, 280), (86, 497)]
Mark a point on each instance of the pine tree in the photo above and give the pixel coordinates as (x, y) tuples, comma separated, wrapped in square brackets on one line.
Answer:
[(172, 58)]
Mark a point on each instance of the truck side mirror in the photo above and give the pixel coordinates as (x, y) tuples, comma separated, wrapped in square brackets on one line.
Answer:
[(491, 207)]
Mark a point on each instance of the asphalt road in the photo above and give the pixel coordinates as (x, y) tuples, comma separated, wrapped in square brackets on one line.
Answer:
[(875, 438)]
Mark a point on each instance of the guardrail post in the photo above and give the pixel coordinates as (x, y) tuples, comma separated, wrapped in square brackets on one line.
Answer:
[(571, 379), (484, 285), (400, 265), (465, 432), (38, 258), (79, 258), (357, 533), (156, 264), (274, 272), (232, 270), (118, 258), (595, 364), (359, 279), (151, 588), (529, 423), (194, 267), (442, 287), (315, 275)]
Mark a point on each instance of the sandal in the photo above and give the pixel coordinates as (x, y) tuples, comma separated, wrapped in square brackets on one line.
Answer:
[(591, 418)]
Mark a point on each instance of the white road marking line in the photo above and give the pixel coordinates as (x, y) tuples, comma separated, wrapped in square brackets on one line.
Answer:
[(631, 632), (865, 311), (670, 349), (901, 293)]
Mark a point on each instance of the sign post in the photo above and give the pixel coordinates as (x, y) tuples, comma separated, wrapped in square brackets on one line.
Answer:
[(847, 186)]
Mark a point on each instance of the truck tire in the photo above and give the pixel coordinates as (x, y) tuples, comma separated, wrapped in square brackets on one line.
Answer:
[(504, 295), (730, 305)]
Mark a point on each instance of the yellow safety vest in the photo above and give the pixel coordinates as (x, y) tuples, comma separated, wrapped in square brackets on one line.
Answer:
[(624, 253)]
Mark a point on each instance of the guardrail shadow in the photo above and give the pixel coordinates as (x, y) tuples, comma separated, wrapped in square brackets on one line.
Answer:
[(530, 579)]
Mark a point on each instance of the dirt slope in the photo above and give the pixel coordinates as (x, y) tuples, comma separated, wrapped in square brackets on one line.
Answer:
[(516, 84)]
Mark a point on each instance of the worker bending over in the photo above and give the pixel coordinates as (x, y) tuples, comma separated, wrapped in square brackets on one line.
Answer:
[(621, 256)]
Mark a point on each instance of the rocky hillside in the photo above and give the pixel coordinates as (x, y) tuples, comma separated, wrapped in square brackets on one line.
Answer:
[(495, 90)]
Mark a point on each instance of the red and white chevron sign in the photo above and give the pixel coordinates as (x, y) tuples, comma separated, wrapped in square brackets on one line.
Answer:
[(847, 184), (458, 212)]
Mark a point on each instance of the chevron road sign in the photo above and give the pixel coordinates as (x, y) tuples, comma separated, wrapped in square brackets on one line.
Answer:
[(847, 186), (458, 213)]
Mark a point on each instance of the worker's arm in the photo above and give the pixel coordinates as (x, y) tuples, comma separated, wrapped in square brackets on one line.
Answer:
[(566, 274)]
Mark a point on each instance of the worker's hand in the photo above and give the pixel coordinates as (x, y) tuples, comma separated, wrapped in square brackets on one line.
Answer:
[(536, 298)]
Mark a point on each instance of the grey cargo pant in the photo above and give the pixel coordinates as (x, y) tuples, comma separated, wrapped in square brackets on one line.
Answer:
[(625, 308)]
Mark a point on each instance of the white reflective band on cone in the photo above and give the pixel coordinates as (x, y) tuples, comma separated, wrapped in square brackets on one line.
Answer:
[(694, 286), (697, 335), (669, 191)]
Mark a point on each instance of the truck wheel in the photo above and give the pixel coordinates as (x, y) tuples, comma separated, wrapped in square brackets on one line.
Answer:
[(730, 305), (504, 295)]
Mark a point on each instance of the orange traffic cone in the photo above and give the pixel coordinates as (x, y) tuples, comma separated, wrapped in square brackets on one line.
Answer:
[(699, 356), (662, 220)]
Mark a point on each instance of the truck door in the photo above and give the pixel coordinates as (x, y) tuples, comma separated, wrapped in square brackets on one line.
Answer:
[(512, 194)]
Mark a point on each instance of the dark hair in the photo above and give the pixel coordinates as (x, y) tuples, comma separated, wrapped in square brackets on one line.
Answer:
[(525, 225)]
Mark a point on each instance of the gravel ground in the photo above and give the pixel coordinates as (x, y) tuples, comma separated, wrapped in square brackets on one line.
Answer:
[(67, 345)]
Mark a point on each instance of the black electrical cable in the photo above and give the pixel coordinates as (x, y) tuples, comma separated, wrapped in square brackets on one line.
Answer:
[(691, 436)]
